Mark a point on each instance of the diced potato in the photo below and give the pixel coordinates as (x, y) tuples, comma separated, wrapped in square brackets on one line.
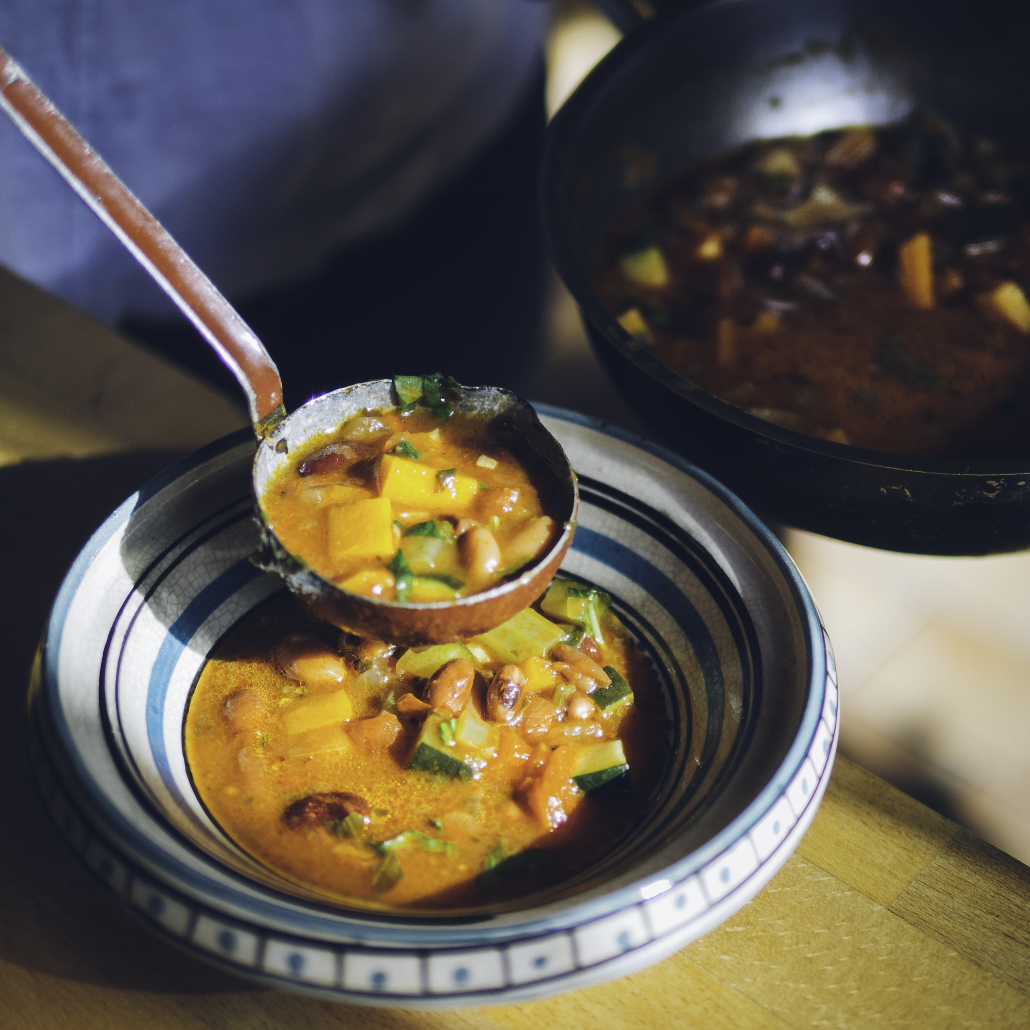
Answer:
[(711, 248), (425, 590), (646, 267), (540, 674), (633, 322), (406, 482), (1009, 301), (312, 712), (371, 583), (363, 529), (484, 461), (457, 495), (473, 732), (916, 265)]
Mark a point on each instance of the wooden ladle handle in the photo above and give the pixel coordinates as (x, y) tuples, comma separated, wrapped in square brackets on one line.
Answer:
[(234, 341)]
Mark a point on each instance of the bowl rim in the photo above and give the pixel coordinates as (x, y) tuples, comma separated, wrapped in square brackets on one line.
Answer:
[(559, 137), (324, 923)]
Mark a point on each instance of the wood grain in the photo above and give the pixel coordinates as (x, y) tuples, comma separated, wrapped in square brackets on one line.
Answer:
[(887, 914)]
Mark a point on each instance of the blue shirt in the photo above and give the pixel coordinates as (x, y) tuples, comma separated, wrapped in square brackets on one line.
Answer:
[(262, 133)]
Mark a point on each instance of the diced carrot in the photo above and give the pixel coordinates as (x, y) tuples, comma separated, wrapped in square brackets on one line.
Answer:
[(1009, 301), (916, 266)]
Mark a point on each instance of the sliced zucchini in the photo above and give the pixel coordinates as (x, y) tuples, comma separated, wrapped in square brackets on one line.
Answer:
[(432, 755), (606, 698), (600, 765), (422, 662), (526, 634)]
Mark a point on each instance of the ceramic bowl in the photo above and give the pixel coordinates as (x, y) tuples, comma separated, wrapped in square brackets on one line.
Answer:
[(721, 614)]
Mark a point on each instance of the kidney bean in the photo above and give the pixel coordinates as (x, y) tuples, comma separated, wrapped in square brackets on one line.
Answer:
[(246, 709), (376, 734), (502, 699), (305, 658), (580, 706), (480, 555), (582, 664), (450, 686)]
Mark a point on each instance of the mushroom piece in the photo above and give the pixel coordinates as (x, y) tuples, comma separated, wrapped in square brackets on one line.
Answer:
[(319, 809)]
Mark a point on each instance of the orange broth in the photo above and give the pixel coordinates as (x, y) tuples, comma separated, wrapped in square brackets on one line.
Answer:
[(379, 506), (446, 838)]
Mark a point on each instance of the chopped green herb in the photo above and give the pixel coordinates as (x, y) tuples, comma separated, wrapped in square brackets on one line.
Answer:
[(387, 874), (381, 812), (446, 477), (398, 523), (408, 390), (436, 824), (427, 389), (438, 530), (407, 450), (531, 858), (498, 853), (402, 576), (482, 485), (447, 731)]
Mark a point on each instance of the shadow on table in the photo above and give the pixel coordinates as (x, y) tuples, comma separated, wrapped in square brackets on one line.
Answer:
[(58, 920)]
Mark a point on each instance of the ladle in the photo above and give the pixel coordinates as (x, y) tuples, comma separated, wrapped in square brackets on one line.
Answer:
[(241, 350)]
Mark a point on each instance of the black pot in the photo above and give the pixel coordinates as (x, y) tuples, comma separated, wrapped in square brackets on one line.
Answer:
[(696, 82)]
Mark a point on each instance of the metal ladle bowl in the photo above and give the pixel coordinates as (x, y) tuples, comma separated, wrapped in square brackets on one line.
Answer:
[(278, 434)]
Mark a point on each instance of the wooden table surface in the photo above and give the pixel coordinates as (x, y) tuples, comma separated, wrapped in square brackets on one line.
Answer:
[(887, 915)]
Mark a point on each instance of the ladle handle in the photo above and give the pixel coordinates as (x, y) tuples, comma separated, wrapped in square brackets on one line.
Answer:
[(234, 341)]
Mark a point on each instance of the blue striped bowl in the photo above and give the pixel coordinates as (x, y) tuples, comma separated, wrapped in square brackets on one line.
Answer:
[(723, 619)]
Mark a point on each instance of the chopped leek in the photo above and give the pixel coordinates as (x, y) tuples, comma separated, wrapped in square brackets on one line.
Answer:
[(418, 838)]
